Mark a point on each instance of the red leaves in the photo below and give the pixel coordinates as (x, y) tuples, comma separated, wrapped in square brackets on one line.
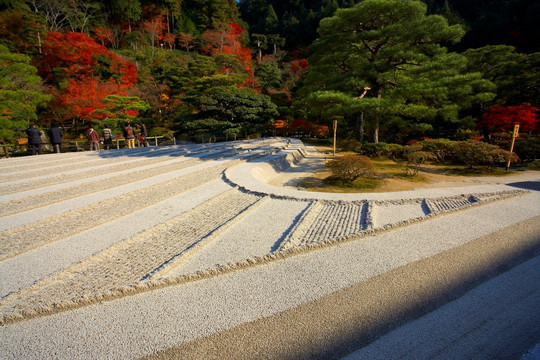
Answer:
[(308, 127), (505, 117), (228, 40), (77, 55), (103, 35), (84, 72), (299, 68), (82, 98)]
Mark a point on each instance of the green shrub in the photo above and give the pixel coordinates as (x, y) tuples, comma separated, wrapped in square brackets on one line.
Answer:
[(527, 150), (381, 149), (441, 149), (350, 145), (351, 167), (473, 153), (319, 142), (413, 158), (534, 165)]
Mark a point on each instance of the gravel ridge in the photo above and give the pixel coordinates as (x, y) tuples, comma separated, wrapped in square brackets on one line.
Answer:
[(211, 240)]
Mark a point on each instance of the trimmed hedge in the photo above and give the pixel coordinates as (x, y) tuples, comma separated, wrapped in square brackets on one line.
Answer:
[(385, 150), (471, 153)]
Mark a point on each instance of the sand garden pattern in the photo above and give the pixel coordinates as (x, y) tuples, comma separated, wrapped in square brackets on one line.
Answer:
[(183, 215)]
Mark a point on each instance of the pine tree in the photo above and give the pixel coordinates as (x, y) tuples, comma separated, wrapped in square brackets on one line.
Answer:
[(21, 94), (383, 54)]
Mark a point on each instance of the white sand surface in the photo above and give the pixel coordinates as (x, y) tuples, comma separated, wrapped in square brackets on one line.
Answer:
[(149, 264)]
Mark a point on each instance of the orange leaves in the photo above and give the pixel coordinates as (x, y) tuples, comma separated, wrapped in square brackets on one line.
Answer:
[(104, 36), (321, 130), (82, 98), (185, 40), (228, 40), (301, 126), (169, 39), (280, 124)]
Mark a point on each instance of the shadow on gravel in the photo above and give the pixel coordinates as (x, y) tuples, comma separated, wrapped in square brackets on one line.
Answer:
[(429, 294), (150, 151), (182, 150), (527, 185), (349, 319)]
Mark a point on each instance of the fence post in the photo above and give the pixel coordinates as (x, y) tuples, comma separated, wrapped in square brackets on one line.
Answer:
[(155, 138)]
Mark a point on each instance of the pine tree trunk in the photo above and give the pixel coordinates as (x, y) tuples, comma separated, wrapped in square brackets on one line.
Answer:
[(377, 119), (359, 127)]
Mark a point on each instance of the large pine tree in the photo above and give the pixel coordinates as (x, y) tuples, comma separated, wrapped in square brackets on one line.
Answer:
[(386, 57)]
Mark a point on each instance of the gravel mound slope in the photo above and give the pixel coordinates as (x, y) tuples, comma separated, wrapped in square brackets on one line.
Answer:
[(183, 235)]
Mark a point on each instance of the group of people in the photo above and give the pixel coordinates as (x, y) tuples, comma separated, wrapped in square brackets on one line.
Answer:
[(55, 136), (108, 137), (34, 138)]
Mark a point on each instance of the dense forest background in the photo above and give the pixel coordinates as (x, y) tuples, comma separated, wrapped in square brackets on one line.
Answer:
[(386, 70)]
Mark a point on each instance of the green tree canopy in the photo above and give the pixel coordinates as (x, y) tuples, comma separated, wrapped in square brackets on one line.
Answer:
[(388, 57), (121, 109), (269, 76), (21, 94), (516, 75), (230, 109)]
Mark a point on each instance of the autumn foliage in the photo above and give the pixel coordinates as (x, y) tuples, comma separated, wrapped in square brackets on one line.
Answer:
[(104, 36), (228, 40), (82, 72), (505, 117)]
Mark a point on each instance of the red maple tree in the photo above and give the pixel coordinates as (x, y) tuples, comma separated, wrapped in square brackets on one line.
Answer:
[(77, 55), (228, 40), (505, 117), (104, 36), (82, 72)]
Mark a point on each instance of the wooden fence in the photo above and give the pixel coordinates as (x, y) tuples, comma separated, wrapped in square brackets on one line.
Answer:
[(21, 145)]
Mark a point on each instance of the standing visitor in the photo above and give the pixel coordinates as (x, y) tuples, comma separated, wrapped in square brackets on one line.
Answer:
[(93, 138), (129, 136), (144, 134), (55, 135), (34, 139), (107, 137)]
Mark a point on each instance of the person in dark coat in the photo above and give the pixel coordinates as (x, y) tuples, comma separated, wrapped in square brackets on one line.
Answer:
[(107, 137), (144, 134), (55, 136), (34, 139)]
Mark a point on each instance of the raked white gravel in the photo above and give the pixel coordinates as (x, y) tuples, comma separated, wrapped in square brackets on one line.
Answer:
[(239, 212)]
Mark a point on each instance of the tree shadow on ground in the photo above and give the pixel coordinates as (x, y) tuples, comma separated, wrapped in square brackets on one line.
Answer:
[(526, 185)]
